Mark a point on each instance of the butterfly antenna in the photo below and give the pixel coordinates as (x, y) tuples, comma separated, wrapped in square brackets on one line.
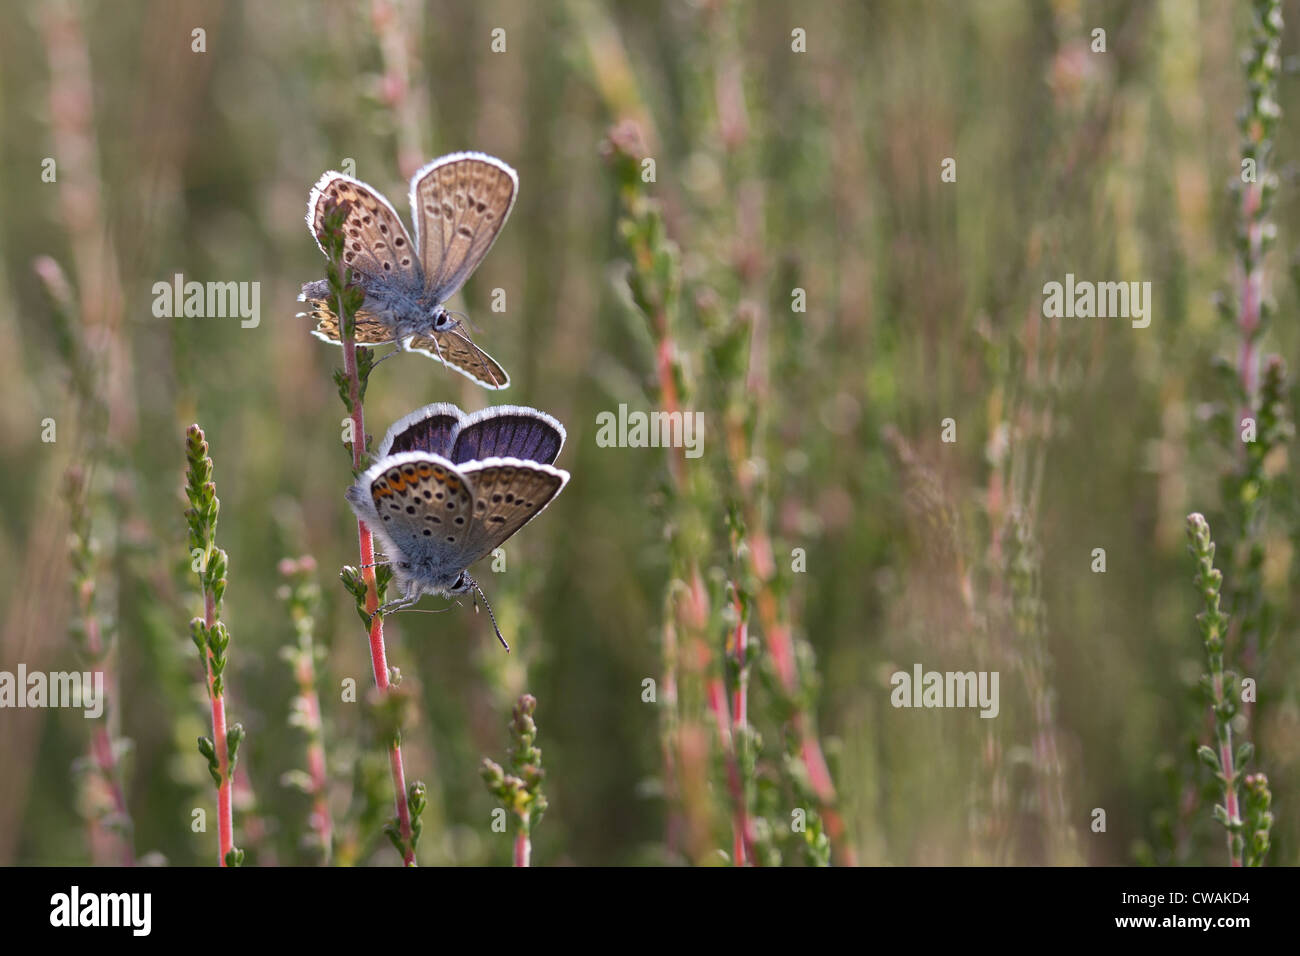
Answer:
[(466, 320), (479, 590)]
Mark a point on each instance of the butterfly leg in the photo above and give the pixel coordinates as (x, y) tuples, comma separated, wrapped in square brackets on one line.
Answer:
[(401, 347), (394, 606)]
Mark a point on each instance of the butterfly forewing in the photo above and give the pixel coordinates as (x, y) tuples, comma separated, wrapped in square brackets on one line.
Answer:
[(459, 203), (508, 431), (376, 244), (454, 349), (508, 493)]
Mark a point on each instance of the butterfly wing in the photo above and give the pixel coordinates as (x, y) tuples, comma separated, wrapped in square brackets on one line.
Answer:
[(424, 507), (376, 243), (370, 330), (508, 493), (508, 431), (459, 204), (454, 349), (428, 429)]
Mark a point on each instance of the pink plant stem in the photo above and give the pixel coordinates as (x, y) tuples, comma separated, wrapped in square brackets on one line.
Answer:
[(321, 820), (664, 358), (101, 743), (668, 395), (225, 808), (742, 840), (523, 846), (378, 656), (1227, 762)]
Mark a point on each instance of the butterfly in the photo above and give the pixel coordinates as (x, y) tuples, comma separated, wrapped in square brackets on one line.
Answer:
[(448, 488), (458, 205)]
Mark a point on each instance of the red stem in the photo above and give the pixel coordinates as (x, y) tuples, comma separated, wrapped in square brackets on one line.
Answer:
[(668, 395), (225, 809), (523, 846), (1227, 763), (321, 820), (101, 742), (378, 656), (743, 836), (781, 647)]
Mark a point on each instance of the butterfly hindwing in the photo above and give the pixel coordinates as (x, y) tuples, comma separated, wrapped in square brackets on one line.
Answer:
[(424, 504), (508, 493), (454, 349), (459, 204), (428, 429), (376, 244), (370, 331), (508, 431)]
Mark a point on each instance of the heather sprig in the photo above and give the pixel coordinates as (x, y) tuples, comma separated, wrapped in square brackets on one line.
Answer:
[(652, 289), (1221, 689), (93, 633), (520, 791), (1259, 397), (210, 636), (301, 594), (1259, 817), (363, 582)]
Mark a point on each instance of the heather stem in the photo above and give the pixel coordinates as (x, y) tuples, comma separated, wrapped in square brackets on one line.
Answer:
[(520, 791), (303, 598), (1219, 685), (225, 808), (523, 845), (378, 655), (211, 637)]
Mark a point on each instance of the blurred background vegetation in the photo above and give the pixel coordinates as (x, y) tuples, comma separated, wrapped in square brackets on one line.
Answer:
[(774, 170)]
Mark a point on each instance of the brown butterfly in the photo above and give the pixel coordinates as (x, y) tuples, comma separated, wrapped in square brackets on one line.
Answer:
[(458, 204)]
